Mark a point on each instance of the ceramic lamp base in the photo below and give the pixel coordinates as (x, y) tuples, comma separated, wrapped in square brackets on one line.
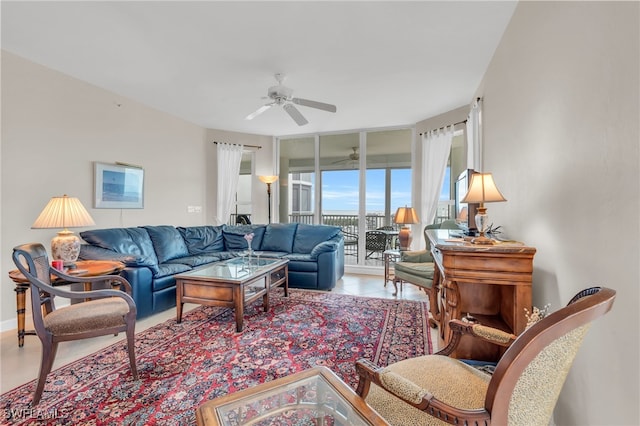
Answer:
[(65, 246), (405, 238)]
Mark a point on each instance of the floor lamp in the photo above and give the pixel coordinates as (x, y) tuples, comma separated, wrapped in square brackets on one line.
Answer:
[(268, 180)]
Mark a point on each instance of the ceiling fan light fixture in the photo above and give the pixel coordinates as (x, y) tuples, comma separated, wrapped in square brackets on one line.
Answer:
[(283, 96)]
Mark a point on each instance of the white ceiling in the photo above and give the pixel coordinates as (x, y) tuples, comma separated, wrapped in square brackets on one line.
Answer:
[(381, 63)]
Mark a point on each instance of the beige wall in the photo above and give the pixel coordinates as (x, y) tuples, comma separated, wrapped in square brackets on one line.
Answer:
[(54, 127), (561, 138)]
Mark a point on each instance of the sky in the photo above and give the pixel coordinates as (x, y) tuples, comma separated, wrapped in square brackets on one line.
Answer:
[(340, 190)]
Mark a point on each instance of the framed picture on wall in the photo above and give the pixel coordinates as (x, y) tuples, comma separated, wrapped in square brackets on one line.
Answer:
[(118, 186)]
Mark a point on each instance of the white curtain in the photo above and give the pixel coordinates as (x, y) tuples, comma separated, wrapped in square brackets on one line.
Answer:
[(436, 147), (474, 136), (229, 157)]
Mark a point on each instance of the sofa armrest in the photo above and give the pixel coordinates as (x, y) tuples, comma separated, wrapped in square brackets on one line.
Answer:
[(416, 256), (327, 246), (90, 252)]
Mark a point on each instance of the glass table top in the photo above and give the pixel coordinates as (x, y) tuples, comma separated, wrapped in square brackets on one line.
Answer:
[(239, 268), (308, 401)]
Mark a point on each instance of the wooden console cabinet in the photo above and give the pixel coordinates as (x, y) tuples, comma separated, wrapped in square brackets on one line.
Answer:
[(492, 283)]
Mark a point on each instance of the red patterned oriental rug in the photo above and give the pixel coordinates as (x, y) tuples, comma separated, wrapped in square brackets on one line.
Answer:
[(183, 365)]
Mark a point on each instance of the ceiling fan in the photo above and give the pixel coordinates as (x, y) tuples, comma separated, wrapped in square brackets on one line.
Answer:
[(283, 96), (354, 156)]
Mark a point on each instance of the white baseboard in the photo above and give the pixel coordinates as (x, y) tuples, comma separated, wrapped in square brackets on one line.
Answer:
[(10, 324), (364, 270)]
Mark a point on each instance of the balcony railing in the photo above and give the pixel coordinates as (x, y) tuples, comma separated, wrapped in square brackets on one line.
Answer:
[(347, 222)]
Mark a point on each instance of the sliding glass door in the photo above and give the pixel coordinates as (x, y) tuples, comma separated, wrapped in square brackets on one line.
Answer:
[(352, 180)]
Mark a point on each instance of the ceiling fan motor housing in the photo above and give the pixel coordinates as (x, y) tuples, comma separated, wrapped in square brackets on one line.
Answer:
[(283, 96), (280, 94)]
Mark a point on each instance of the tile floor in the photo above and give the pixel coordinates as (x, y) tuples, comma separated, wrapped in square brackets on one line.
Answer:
[(21, 365)]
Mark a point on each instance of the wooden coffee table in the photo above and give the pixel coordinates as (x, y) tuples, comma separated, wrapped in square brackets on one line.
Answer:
[(312, 397), (233, 284)]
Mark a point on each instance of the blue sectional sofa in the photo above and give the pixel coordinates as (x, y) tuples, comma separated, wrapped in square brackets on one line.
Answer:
[(154, 254)]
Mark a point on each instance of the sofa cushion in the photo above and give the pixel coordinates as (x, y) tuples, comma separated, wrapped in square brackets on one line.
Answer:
[(165, 269), (234, 236), (196, 260), (302, 262), (131, 241), (167, 242), (279, 237), (309, 236), (273, 254), (202, 239)]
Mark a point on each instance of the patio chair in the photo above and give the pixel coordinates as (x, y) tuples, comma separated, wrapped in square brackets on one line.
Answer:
[(392, 240), (350, 243), (524, 388), (109, 311), (376, 243), (243, 219)]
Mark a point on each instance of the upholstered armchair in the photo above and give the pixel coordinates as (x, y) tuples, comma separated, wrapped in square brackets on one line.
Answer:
[(416, 267), (523, 390), (101, 312)]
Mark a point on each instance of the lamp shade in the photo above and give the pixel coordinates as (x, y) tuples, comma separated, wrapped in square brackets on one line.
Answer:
[(64, 212), (405, 216), (483, 190), (268, 179)]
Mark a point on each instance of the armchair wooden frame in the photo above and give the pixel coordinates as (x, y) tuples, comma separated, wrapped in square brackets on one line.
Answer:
[(104, 312), (585, 307)]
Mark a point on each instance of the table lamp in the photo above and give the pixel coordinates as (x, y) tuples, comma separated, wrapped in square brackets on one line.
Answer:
[(64, 212), (268, 180), (482, 190), (405, 216)]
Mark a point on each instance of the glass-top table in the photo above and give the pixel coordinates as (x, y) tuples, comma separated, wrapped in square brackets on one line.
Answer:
[(232, 283), (312, 397)]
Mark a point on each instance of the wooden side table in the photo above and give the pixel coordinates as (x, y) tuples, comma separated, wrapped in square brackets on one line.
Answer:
[(492, 283), (90, 268), (389, 256)]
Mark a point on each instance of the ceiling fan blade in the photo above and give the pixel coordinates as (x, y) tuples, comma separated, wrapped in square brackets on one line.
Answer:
[(314, 104), (259, 111), (341, 161), (295, 114)]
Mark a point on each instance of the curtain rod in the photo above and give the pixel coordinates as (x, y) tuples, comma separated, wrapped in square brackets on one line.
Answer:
[(248, 146), (454, 124)]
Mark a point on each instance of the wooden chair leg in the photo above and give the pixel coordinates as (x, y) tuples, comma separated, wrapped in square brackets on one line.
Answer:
[(395, 285), (434, 318), (49, 349), (132, 349)]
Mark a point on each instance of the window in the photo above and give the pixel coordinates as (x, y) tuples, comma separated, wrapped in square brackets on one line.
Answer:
[(331, 189)]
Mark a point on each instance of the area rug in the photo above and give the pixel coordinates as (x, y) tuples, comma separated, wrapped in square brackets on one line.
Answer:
[(183, 365)]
